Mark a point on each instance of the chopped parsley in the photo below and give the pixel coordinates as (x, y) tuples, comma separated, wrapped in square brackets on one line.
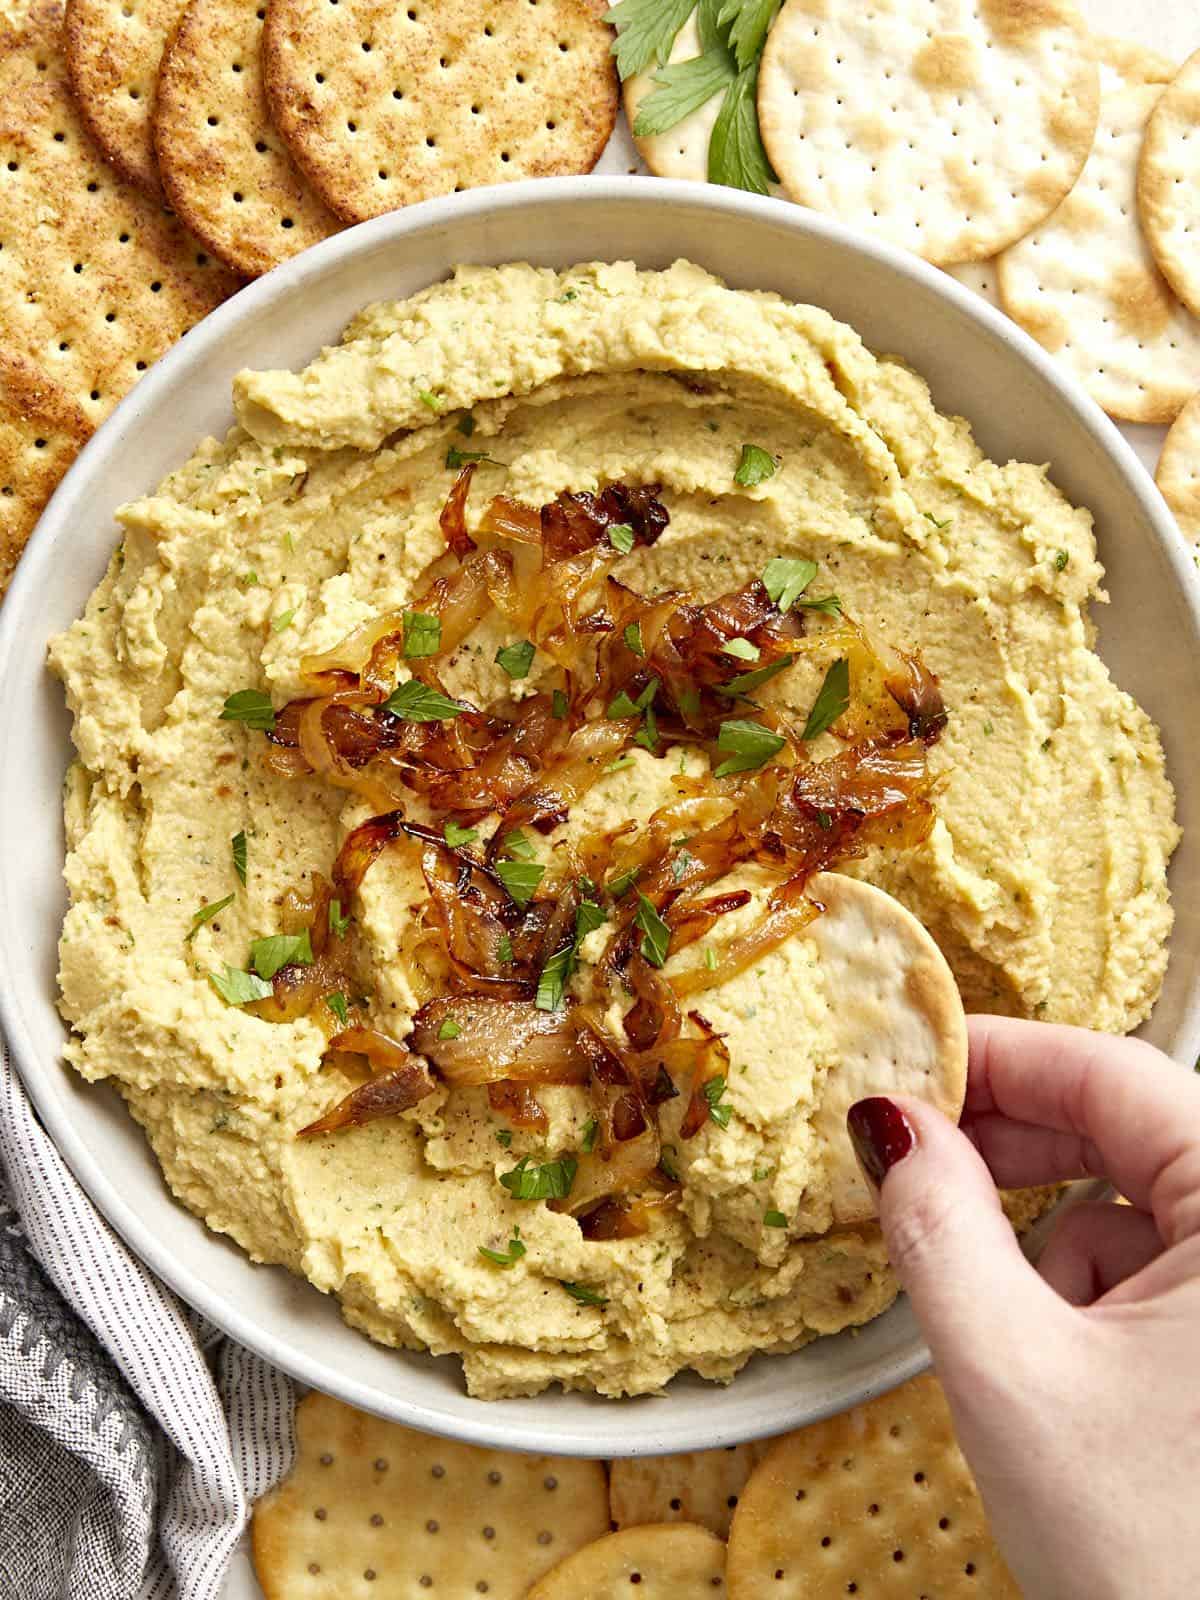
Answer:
[(283, 620), (504, 1137), (456, 836), (714, 1092), (1061, 561), (585, 1296), (428, 398), (550, 1181), (280, 950), (520, 878), (633, 638), (337, 1004), (833, 698), (588, 1142), (508, 1257), (206, 914), (666, 1162), (337, 922), (559, 704), (516, 659), (238, 988), (519, 846), (456, 458), (749, 745), (622, 882), (929, 517), (252, 707), (466, 424), (829, 605), (756, 466), (422, 635), (415, 701), (786, 578), (656, 936), (560, 966), (647, 734), (774, 1219), (449, 1029), (504, 950), (238, 842), (247, 580), (620, 536), (710, 958), (746, 681), (743, 649)]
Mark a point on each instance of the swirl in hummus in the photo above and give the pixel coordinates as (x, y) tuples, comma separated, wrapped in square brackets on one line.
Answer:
[(768, 434)]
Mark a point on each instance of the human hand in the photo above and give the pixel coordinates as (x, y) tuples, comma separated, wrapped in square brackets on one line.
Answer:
[(1075, 1387)]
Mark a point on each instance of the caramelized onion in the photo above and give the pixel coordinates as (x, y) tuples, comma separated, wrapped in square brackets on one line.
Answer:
[(499, 1040), (519, 1105), (401, 1080), (453, 520)]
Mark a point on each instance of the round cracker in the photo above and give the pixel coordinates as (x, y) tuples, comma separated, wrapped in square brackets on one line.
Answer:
[(113, 51), (1124, 64), (225, 170), (897, 1017), (106, 281), (383, 104), (979, 276), (1168, 183), (371, 1508), (681, 152), (1178, 471), (658, 1561), (41, 432), (1085, 284), (702, 1486), (876, 1502), (946, 126)]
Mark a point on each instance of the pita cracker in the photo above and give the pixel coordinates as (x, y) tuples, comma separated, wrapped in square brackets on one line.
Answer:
[(1168, 183), (41, 432), (114, 48), (1178, 471), (664, 1561)]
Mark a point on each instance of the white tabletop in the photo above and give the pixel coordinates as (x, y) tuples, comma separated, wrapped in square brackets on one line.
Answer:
[(1170, 26)]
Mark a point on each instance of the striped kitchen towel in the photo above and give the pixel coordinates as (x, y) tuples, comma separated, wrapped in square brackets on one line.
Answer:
[(133, 1435)]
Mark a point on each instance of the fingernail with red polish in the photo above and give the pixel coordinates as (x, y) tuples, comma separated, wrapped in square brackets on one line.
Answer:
[(881, 1135)]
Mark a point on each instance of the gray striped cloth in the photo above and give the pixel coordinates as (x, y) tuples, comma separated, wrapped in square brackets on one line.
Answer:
[(133, 1435)]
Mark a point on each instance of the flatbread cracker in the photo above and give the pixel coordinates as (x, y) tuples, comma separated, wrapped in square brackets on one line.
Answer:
[(225, 170), (701, 1486), (372, 1509), (96, 281), (113, 51), (663, 1561), (1178, 471), (41, 432), (1168, 183), (385, 103), (877, 1502), (946, 126), (900, 1023), (1085, 284)]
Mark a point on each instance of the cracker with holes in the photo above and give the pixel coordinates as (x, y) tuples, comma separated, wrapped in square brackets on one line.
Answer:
[(661, 1561), (1124, 65), (1178, 471), (114, 48), (901, 1028), (1168, 183), (1086, 286), (371, 1508), (225, 170), (41, 432), (877, 1502), (947, 126), (383, 103), (701, 1486), (96, 280)]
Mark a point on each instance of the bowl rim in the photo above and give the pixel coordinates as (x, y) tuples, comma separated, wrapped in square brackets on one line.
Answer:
[(728, 207)]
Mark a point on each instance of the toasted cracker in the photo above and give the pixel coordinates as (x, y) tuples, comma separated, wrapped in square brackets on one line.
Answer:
[(1125, 65), (1086, 287), (225, 170), (876, 1502), (946, 126), (1168, 183), (681, 152), (897, 1017), (660, 1561), (384, 102), (373, 1509), (979, 276), (96, 281), (1178, 471), (41, 432), (114, 48), (702, 1486)]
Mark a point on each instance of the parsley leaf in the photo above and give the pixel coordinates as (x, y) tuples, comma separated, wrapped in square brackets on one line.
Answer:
[(742, 649), (428, 398), (238, 988), (520, 878), (553, 980), (620, 536), (748, 22), (749, 744), (714, 1092), (280, 950), (666, 1162), (337, 922), (422, 634), (585, 1296), (238, 843), (559, 704), (337, 1004), (590, 1129), (449, 1029), (588, 917), (944, 523), (456, 458), (774, 1219), (622, 882), (504, 1137), (656, 935), (516, 659), (736, 157), (551, 1181), (466, 424), (646, 31), (519, 846), (504, 950), (647, 734), (1061, 560), (828, 604), (785, 579), (755, 466), (633, 638), (206, 914), (745, 681), (283, 620), (414, 701), (681, 88), (252, 707), (505, 1258), (833, 698), (456, 836)]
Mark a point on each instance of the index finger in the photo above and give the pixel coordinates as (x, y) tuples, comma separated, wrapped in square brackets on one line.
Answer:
[(1046, 1102)]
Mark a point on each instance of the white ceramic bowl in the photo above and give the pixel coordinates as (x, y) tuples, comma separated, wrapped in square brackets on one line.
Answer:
[(978, 363)]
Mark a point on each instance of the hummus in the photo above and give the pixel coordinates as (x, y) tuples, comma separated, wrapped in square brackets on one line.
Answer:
[(1043, 878)]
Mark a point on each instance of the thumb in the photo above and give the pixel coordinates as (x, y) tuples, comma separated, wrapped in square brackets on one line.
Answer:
[(947, 1236)]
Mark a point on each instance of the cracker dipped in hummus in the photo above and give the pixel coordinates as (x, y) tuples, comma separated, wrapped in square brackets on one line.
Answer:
[(460, 742)]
